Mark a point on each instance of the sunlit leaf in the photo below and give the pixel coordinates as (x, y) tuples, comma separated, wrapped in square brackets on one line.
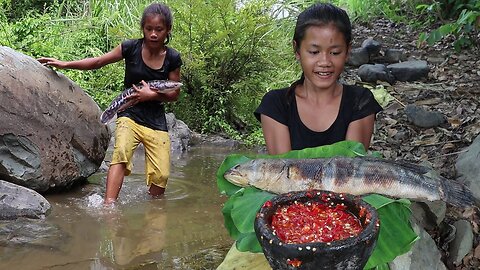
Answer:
[(381, 95)]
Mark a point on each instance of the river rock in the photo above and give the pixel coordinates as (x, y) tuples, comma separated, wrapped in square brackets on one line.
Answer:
[(463, 242), (423, 255), (17, 201), (394, 55), (421, 117), (409, 70), (376, 72), (467, 167), (428, 215), (358, 57), (26, 233), (50, 133), (373, 47)]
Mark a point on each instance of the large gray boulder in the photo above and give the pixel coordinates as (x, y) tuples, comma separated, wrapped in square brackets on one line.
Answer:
[(17, 201), (50, 133)]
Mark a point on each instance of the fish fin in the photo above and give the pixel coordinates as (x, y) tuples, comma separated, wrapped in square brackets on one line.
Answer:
[(420, 169), (457, 194)]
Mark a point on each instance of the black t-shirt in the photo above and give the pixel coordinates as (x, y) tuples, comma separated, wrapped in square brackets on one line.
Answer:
[(149, 113), (280, 105)]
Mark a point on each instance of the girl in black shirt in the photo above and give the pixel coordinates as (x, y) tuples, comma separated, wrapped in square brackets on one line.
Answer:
[(318, 110), (146, 59)]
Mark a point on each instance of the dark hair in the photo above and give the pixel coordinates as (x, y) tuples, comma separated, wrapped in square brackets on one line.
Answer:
[(158, 9), (320, 14)]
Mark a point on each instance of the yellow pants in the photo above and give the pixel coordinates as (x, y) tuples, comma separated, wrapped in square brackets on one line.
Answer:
[(128, 135)]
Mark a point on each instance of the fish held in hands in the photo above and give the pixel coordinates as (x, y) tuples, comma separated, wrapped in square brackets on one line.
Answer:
[(357, 176), (122, 102)]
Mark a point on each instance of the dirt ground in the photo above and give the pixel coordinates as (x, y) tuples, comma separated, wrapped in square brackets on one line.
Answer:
[(452, 88)]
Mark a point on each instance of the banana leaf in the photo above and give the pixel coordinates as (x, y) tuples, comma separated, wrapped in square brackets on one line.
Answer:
[(396, 235)]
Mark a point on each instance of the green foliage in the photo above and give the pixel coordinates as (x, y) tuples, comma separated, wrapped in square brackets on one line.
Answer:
[(233, 51), (18, 9), (365, 10), (229, 52), (395, 237), (467, 14), (71, 30)]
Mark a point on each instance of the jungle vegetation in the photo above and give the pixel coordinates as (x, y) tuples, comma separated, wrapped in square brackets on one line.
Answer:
[(233, 51)]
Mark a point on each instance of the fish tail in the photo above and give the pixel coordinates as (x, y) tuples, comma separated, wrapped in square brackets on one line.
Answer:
[(457, 194)]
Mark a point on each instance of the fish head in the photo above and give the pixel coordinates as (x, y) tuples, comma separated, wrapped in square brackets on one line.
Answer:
[(237, 175), (165, 86), (173, 85), (256, 172)]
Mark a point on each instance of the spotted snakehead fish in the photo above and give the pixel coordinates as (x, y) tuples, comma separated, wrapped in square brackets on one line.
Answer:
[(121, 102), (357, 176)]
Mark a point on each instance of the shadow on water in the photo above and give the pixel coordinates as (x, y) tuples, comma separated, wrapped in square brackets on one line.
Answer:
[(182, 230)]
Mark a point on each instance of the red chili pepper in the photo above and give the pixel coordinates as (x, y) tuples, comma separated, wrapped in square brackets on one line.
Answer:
[(314, 222), (267, 204), (294, 262)]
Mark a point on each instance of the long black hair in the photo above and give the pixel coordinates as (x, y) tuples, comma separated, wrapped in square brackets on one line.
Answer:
[(320, 14), (158, 9)]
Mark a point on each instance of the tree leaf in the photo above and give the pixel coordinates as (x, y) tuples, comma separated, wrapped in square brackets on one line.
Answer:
[(248, 242), (227, 216), (252, 200), (396, 235)]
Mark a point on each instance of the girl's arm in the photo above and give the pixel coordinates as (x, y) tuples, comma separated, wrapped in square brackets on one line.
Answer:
[(361, 130), (277, 136), (114, 55), (172, 95)]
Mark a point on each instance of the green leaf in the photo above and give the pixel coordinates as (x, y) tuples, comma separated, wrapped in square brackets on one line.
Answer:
[(248, 242), (252, 199), (227, 216), (381, 95), (446, 29), (434, 36), (396, 235), (343, 148), (379, 201)]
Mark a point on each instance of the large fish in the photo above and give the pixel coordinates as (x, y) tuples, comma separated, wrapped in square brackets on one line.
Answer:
[(357, 176), (121, 102)]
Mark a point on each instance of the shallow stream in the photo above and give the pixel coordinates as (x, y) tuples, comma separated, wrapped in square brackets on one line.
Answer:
[(182, 230)]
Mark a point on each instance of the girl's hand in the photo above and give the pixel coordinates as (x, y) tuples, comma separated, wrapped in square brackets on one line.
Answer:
[(143, 93), (46, 61)]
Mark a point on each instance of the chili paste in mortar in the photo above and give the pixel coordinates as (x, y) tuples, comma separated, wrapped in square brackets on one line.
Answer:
[(314, 222)]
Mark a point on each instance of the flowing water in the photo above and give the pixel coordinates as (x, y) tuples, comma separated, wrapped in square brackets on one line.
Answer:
[(182, 230)]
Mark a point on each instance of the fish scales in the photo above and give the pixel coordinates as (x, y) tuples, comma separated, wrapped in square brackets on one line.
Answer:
[(121, 102), (357, 176)]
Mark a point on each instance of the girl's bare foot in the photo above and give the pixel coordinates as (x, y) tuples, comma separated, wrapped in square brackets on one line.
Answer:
[(156, 191)]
